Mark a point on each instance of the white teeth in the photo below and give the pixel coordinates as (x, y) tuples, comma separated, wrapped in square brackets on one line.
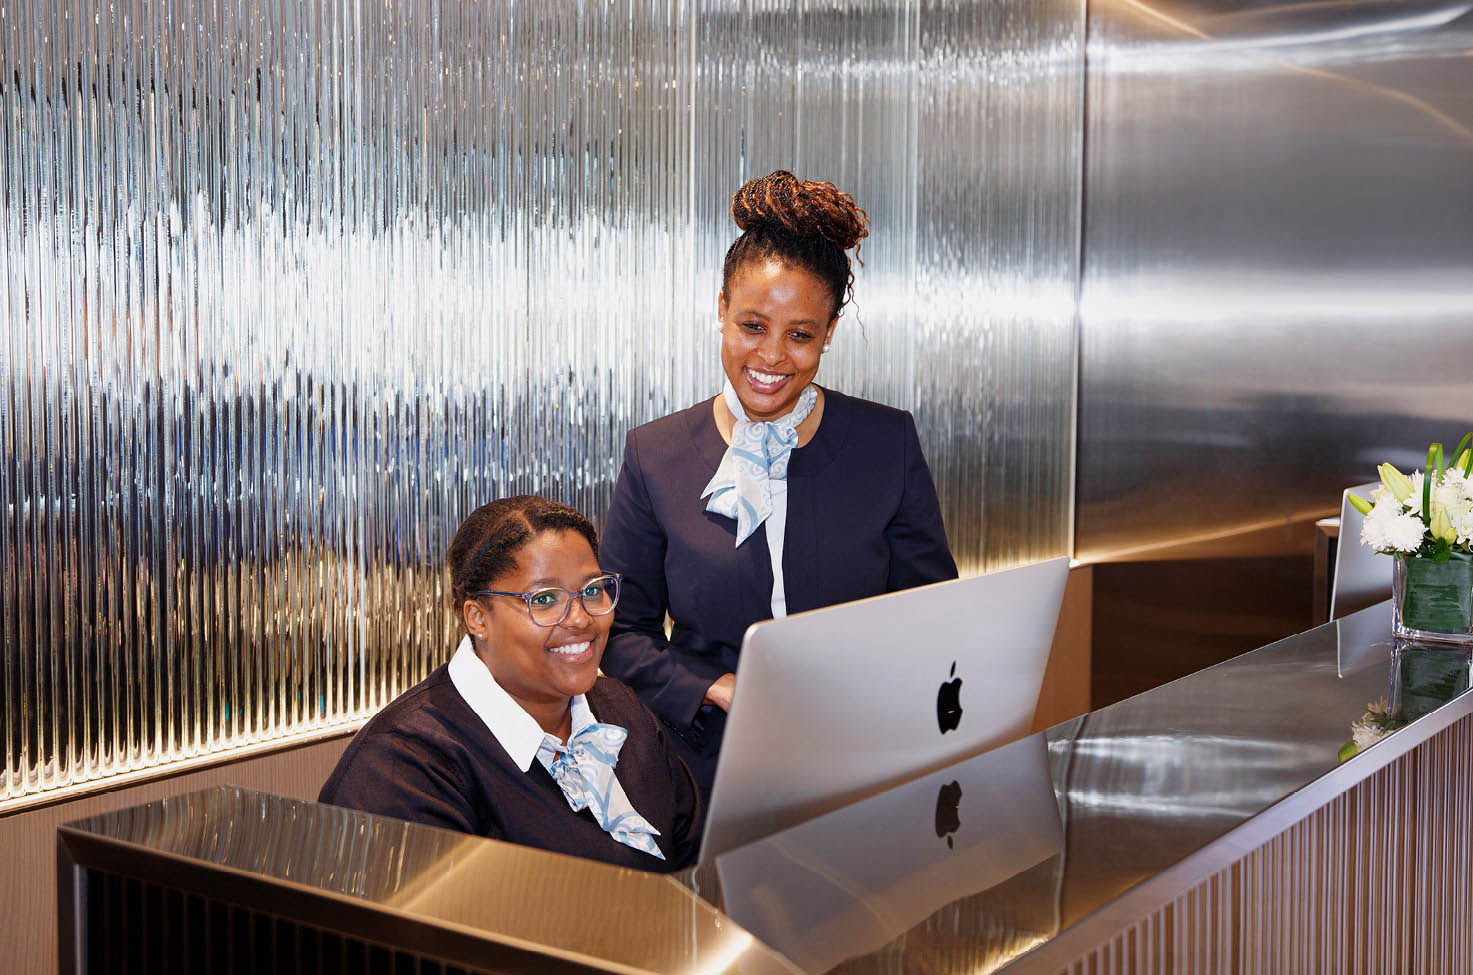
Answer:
[(572, 649), (766, 379)]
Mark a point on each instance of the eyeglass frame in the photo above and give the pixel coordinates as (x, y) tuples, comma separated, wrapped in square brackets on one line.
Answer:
[(526, 597)]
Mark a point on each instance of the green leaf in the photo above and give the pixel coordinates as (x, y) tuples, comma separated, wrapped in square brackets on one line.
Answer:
[(1465, 454), (1433, 452)]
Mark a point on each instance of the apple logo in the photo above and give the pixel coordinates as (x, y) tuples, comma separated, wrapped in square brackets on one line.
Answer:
[(948, 817), (949, 703)]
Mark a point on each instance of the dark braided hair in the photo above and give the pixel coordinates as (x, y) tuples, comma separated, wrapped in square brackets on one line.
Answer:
[(486, 544), (806, 224)]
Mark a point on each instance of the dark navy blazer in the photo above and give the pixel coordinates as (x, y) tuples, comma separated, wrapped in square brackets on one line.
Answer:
[(863, 519)]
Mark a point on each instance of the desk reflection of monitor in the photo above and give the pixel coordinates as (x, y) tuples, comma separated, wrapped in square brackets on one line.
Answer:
[(850, 882)]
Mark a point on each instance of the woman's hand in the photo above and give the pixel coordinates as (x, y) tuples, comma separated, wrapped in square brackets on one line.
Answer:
[(719, 693)]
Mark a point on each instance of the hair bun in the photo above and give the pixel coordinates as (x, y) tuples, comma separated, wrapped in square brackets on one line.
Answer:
[(804, 208)]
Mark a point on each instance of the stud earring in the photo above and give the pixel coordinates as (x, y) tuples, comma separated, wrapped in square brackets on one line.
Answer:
[(827, 346)]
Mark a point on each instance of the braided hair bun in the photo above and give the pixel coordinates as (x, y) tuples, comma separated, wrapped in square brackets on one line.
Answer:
[(807, 224), (802, 207)]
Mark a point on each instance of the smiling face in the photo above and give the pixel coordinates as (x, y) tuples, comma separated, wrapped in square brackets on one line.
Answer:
[(775, 319), (541, 667)]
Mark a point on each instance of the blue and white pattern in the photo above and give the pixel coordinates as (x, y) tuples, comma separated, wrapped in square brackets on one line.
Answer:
[(759, 454), (584, 770)]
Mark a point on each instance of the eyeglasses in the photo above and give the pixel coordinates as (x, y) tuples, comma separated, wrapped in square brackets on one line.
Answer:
[(550, 606)]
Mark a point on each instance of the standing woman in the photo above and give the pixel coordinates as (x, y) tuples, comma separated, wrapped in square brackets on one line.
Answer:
[(774, 497)]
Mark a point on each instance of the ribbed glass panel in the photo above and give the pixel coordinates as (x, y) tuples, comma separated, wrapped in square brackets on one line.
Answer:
[(290, 287)]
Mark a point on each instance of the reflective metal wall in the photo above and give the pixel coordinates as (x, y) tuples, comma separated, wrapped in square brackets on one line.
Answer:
[(290, 288), (1276, 293)]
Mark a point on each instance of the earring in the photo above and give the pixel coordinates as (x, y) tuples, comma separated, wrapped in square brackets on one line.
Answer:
[(827, 346)]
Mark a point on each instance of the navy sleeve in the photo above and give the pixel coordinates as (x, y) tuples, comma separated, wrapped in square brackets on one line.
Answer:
[(690, 816), (392, 774), (919, 553), (633, 544)]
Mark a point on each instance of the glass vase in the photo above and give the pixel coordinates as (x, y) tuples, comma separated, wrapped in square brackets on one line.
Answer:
[(1433, 601)]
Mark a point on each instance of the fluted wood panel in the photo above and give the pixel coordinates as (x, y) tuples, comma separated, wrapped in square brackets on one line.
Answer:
[(1379, 880), (290, 287)]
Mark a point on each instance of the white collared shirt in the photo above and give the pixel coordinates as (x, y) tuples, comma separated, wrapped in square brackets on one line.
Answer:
[(776, 525), (516, 730)]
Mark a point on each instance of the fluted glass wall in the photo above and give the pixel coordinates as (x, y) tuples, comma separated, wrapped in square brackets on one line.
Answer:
[(289, 288)]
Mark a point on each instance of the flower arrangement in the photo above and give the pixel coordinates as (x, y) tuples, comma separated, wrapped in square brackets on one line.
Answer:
[(1427, 515), (1425, 521)]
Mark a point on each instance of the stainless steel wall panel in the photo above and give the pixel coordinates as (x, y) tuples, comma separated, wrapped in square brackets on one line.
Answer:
[(1278, 232), (289, 289)]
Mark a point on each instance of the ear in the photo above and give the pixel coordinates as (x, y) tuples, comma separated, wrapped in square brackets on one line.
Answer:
[(833, 327), (721, 305), (477, 620)]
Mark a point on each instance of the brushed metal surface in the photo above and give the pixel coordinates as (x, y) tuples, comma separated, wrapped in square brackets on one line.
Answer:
[(1394, 849), (1278, 235), (290, 288), (461, 898)]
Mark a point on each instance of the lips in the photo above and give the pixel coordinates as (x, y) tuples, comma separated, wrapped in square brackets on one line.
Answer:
[(765, 382)]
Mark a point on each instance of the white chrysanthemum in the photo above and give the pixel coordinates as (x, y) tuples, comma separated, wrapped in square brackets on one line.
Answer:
[(1373, 528), (1413, 501), (1461, 515), (1388, 530), (1366, 733), (1404, 532)]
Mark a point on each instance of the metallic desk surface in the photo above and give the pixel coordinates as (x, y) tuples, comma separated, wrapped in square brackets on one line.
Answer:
[(1058, 841)]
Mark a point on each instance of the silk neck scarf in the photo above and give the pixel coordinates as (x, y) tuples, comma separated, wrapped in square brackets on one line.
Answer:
[(758, 455), (585, 772)]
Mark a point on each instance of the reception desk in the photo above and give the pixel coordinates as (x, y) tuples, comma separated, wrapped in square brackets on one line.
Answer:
[(1207, 825)]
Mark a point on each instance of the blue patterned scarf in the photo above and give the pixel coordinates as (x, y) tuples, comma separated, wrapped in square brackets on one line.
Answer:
[(585, 772), (759, 453)]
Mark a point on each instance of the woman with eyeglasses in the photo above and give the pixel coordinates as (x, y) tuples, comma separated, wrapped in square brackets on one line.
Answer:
[(776, 495), (517, 737)]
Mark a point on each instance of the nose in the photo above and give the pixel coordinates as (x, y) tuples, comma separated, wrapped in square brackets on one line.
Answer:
[(578, 615), (771, 349)]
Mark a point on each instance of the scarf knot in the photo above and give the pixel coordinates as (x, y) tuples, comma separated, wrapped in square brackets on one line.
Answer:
[(585, 772), (759, 454)]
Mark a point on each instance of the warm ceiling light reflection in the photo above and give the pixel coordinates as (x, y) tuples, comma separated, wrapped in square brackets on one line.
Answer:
[(1252, 44), (722, 959)]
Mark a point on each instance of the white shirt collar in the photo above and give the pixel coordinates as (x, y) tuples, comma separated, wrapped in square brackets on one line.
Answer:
[(516, 730)]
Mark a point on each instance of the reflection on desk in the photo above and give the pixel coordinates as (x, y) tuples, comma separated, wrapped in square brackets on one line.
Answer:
[(847, 883)]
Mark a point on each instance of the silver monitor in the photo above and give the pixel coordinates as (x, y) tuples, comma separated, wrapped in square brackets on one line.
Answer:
[(840, 703)]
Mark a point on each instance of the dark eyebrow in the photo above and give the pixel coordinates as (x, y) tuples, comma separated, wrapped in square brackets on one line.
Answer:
[(798, 321)]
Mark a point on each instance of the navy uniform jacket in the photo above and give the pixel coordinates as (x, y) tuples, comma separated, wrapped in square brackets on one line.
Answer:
[(430, 759), (863, 519)]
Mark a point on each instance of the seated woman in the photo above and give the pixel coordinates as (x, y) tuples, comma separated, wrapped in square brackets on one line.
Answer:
[(518, 737)]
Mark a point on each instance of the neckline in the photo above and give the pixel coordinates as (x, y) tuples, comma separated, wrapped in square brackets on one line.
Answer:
[(808, 459)]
